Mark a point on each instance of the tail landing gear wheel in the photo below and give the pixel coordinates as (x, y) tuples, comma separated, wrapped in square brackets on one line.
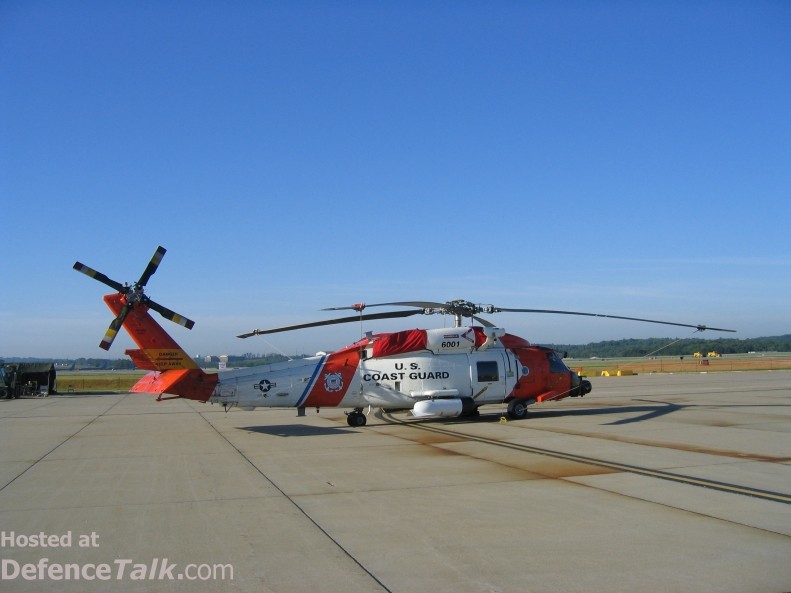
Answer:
[(517, 409), (356, 418)]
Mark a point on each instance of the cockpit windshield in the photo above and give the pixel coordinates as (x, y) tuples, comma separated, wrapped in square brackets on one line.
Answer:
[(556, 364)]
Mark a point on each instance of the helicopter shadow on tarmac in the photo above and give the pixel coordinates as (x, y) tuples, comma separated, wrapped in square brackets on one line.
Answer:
[(297, 430), (649, 412)]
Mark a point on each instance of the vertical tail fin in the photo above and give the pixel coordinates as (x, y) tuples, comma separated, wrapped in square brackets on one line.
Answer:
[(174, 372)]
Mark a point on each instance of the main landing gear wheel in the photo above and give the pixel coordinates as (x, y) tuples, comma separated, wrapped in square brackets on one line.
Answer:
[(356, 418), (517, 409)]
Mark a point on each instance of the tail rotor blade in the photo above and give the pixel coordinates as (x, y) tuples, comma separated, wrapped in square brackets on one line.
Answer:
[(152, 266), (115, 326), (170, 315), (99, 276)]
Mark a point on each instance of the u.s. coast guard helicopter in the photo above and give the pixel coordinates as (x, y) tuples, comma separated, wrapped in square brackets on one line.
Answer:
[(443, 372)]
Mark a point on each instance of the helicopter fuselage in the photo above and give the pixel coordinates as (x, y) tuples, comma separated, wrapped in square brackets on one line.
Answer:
[(436, 372)]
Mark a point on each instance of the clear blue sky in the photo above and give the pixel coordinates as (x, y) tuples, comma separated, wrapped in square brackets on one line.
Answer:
[(627, 158)]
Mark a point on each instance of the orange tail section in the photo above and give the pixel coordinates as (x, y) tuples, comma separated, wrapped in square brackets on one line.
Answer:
[(174, 372)]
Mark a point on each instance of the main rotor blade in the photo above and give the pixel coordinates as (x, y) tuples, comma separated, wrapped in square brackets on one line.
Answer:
[(388, 315), (699, 327), (420, 304), (483, 322), (152, 266), (117, 286), (171, 315)]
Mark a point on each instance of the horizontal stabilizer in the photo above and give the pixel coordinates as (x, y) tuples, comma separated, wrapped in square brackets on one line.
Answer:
[(140, 360), (161, 359), (186, 383)]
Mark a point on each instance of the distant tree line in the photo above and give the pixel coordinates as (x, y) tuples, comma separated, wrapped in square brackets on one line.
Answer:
[(244, 360), (79, 364), (606, 349), (671, 347), (126, 364)]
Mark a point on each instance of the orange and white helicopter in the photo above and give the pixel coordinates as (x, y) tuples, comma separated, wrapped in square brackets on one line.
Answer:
[(443, 372)]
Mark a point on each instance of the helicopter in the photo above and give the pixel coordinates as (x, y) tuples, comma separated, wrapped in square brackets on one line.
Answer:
[(434, 373)]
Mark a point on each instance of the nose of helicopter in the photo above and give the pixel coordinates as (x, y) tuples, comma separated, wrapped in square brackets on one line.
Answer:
[(579, 386)]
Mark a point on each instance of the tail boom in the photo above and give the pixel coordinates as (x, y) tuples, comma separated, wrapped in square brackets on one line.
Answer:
[(186, 383)]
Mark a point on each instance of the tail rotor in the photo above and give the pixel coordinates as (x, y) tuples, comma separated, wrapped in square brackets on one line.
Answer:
[(134, 295)]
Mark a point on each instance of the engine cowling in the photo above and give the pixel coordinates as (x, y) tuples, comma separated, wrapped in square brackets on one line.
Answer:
[(444, 408)]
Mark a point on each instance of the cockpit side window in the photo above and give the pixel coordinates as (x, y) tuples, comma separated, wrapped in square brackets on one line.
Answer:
[(488, 371)]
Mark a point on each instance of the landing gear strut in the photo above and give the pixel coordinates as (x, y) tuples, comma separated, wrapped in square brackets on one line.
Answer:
[(356, 417)]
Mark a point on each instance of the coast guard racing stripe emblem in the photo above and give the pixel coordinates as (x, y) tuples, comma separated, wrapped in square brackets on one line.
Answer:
[(336, 376)]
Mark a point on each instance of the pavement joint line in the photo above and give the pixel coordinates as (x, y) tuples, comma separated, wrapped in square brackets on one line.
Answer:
[(299, 508), (66, 440), (156, 503)]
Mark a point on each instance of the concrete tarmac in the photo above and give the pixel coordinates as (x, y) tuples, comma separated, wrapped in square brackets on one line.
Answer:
[(655, 483)]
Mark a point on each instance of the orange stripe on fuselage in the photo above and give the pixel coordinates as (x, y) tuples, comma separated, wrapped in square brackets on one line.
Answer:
[(334, 379)]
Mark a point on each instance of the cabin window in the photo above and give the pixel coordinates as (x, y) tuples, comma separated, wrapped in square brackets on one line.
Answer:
[(488, 371)]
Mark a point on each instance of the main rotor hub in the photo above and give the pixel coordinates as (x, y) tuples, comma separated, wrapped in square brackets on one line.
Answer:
[(135, 295), (460, 309)]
